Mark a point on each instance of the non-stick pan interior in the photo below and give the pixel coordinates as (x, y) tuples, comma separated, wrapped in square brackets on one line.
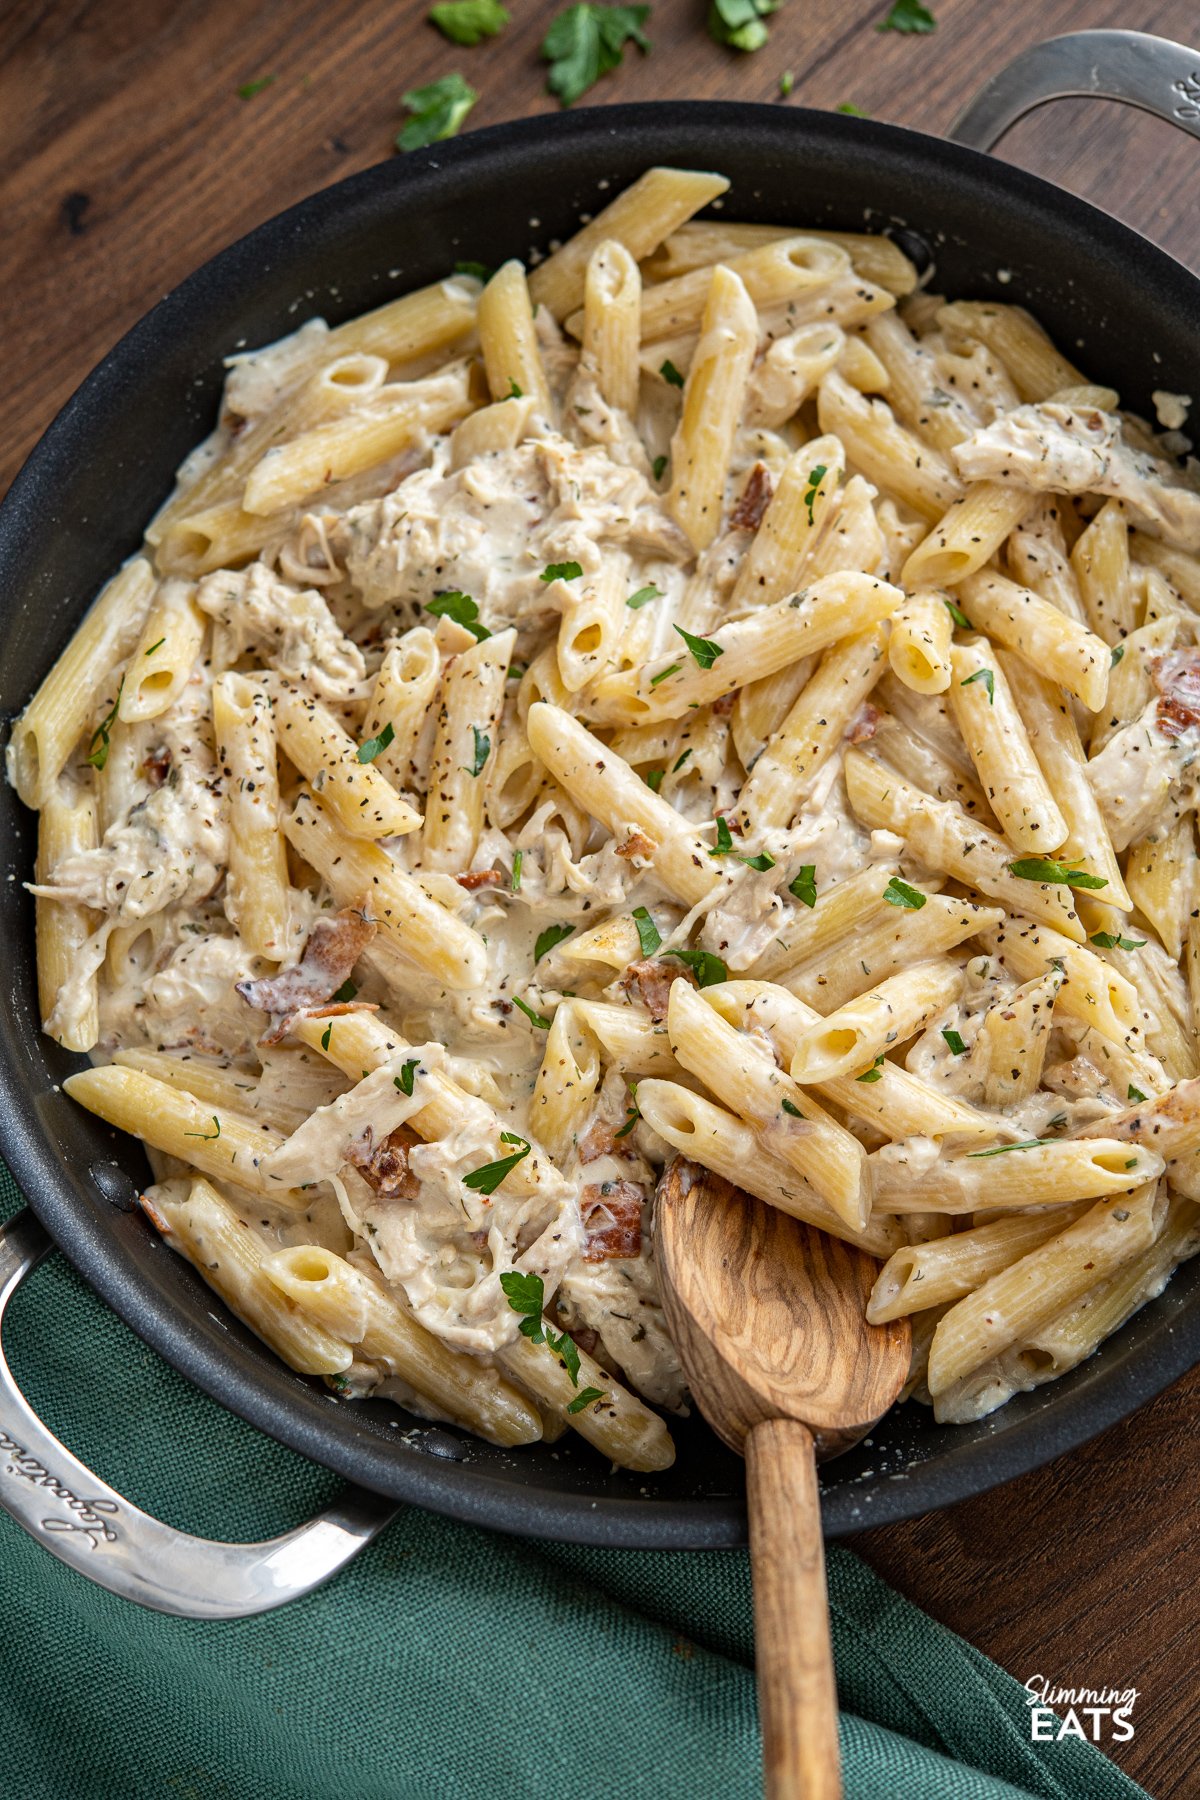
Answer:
[(1126, 313)]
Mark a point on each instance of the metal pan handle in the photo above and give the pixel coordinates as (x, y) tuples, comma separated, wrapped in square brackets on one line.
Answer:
[(86, 1524), (1153, 73)]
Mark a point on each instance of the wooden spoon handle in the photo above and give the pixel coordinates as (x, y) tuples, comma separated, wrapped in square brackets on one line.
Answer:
[(797, 1695)]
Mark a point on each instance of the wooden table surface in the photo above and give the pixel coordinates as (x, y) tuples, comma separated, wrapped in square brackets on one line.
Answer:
[(127, 157)]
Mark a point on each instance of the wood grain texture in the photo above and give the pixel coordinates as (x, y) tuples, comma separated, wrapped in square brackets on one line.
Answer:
[(769, 1315), (797, 1695), (126, 158)]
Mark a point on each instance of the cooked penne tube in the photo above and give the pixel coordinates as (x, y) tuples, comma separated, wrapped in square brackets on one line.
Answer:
[(405, 685), (898, 1104), (511, 354), (783, 776), (887, 944), (326, 1288), (916, 388), (1160, 873), (612, 323), (1013, 1039), (1014, 1301), (792, 1126), (357, 440), (1091, 991), (943, 836), (657, 204), (426, 934), (342, 771), (257, 889), (968, 535), (1036, 367), (834, 607), (855, 1038), (919, 1276), (202, 1226), (1051, 1173), (620, 1425), (1100, 560), (699, 1129), (628, 1038), (164, 655), (68, 992), (231, 1088), (922, 631), (708, 241), (770, 273), (712, 402), (593, 621), (64, 706), (564, 1089), (882, 450), (1045, 640), (471, 700), (994, 733), (836, 914), (220, 1145), (791, 526)]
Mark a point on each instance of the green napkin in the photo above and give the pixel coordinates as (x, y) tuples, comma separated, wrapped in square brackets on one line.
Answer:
[(445, 1663)]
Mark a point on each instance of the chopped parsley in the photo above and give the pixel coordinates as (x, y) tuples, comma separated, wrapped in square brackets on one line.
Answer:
[(815, 478), (988, 680), (632, 1116), (526, 1294), (479, 270), (957, 614), (1003, 1149), (326, 1035), (663, 673), (568, 571), (488, 1178), (1044, 868), (518, 859), (586, 1395), (208, 1136), (553, 934), (102, 736), (535, 1018), (705, 650), (468, 22), (789, 1106), (345, 993), (875, 1072), (739, 24), (154, 647), (787, 82), (670, 373), (899, 893), (680, 760), (855, 112), (404, 1080), (1116, 656), (955, 1042), (483, 749), (724, 844), (644, 596), (654, 779), (1135, 1094), (515, 390), (763, 861), (461, 608), (248, 89), (1109, 940), (707, 968), (804, 887), (649, 936), (658, 466), (375, 746), (587, 41), (909, 16), (437, 111)]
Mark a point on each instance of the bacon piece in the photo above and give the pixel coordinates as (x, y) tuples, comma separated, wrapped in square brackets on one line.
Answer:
[(753, 501), (650, 978), (864, 724), (636, 844), (600, 1139), (157, 766), (612, 1220), (384, 1166), (479, 878), (721, 708), (1176, 675), (334, 946)]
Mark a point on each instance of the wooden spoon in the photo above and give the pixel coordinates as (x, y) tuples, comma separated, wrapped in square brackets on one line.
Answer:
[(769, 1317)]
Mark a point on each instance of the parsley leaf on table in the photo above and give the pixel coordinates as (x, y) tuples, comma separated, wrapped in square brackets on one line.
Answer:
[(438, 110), (908, 16), (469, 21), (587, 41), (738, 24)]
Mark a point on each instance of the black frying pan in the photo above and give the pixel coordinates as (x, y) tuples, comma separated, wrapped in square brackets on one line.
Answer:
[(1126, 313)]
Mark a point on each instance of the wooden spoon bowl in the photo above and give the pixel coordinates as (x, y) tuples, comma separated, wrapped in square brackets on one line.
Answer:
[(769, 1317)]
